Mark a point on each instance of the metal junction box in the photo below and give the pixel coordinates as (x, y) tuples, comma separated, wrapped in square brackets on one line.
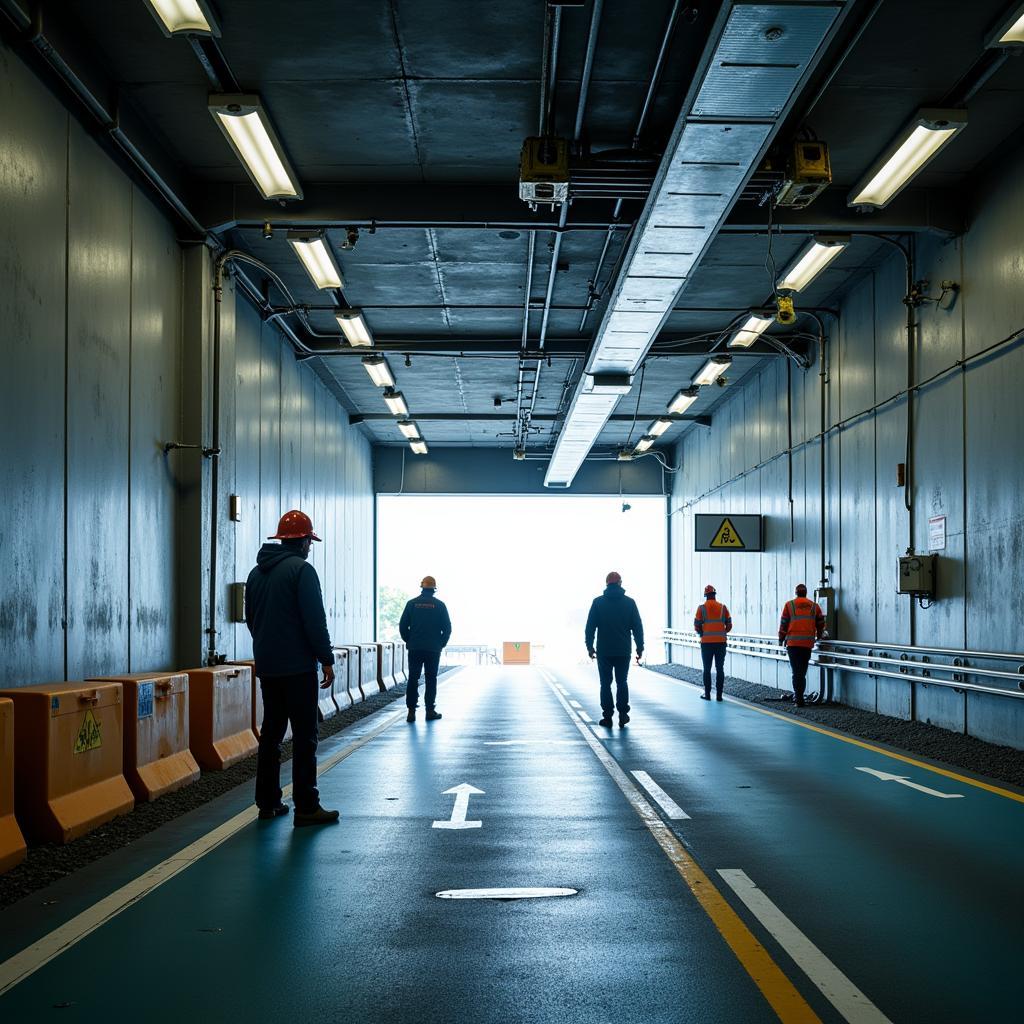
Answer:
[(916, 575)]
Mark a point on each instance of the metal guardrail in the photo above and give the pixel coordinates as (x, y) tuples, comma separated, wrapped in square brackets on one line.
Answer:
[(460, 654), (889, 661)]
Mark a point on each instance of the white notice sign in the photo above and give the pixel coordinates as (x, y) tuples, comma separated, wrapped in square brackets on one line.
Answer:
[(937, 533)]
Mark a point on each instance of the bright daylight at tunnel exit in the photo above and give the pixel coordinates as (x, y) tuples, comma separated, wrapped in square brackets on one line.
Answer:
[(511, 511)]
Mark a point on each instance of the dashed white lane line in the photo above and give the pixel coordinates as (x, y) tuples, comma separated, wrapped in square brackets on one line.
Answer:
[(663, 800), (584, 715), (601, 732), (562, 690), (575, 704), (854, 1006)]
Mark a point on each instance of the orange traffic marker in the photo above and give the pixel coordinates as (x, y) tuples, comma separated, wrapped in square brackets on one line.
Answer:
[(12, 843), (69, 756), (220, 715)]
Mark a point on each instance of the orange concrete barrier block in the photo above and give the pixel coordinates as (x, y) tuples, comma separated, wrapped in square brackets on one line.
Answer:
[(386, 665), (346, 677), (368, 681), (339, 696), (12, 843), (157, 758), (401, 665), (220, 710), (68, 758)]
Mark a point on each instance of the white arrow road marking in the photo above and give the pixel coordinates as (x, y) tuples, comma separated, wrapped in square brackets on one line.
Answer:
[(461, 808), (903, 780), (664, 801), (834, 985)]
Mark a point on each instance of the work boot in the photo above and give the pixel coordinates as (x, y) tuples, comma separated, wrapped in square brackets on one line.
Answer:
[(432, 715), (799, 702), (705, 696), (411, 716), (718, 696), (606, 721), (269, 813), (623, 719), (318, 816)]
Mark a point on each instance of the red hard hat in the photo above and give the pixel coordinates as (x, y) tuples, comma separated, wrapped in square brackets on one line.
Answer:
[(294, 525), (709, 590)]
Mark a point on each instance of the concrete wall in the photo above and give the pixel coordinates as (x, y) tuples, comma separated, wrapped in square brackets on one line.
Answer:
[(105, 347), (966, 431)]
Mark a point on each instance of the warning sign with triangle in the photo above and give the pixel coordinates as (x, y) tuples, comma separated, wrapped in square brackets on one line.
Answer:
[(88, 737), (727, 538)]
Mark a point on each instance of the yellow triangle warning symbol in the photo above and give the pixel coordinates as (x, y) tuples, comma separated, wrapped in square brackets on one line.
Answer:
[(727, 537), (88, 737)]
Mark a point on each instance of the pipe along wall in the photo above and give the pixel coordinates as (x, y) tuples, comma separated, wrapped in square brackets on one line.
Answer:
[(962, 463), (106, 326)]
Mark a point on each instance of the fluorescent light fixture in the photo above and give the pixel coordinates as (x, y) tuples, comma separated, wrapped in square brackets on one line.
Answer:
[(748, 333), (419, 447), (395, 401), (379, 371), (247, 127), (1009, 31), (184, 17), (658, 427), (911, 150), (643, 444), (812, 261), (311, 248), (354, 327), (712, 370), (683, 400), (409, 430)]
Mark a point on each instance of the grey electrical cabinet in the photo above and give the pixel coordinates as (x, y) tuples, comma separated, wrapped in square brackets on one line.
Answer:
[(917, 575)]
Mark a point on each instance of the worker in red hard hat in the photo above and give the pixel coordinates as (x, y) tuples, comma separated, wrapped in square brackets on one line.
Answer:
[(284, 610), (615, 619), (712, 623), (426, 629), (802, 624)]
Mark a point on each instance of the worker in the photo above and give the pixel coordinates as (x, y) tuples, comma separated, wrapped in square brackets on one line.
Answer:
[(615, 619), (712, 622), (426, 628), (284, 610), (802, 624)]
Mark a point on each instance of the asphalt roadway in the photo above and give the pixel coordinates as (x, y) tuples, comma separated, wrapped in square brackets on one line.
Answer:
[(728, 865)]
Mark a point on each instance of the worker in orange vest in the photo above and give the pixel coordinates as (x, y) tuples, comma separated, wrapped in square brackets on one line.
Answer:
[(802, 624), (712, 622)]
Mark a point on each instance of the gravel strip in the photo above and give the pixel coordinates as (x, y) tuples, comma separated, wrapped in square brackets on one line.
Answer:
[(48, 863), (929, 741)]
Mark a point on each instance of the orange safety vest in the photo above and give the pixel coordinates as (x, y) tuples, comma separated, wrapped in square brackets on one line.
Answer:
[(803, 622), (712, 615)]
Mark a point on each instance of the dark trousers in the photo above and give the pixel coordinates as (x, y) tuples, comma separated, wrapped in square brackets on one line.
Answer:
[(799, 659), (428, 662), (713, 653), (288, 699), (606, 668)]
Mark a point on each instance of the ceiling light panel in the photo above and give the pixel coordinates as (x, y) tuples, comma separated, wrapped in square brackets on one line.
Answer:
[(658, 427), (812, 261), (419, 447), (756, 58), (184, 17), (712, 370), (683, 400), (1009, 31), (909, 153), (643, 444), (353, 326), (312, 250), (379, 371), (409, 430), (395, 401), (754, 327), (247, 128)]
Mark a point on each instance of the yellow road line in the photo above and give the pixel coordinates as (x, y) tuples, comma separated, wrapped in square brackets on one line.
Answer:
[(782, 996), (906, 758)]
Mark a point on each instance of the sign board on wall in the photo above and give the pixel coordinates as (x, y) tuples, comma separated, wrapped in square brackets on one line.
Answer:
[(727, 532), (936, 533)]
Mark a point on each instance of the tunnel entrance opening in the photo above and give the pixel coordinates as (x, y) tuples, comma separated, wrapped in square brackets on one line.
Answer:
[(521, 569)]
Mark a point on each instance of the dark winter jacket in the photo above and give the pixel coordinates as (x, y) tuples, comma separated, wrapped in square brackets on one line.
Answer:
[(425, 625), (284, 610), (613, 616)]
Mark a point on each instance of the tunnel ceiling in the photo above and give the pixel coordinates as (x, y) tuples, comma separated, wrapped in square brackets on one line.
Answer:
[(405, 119)]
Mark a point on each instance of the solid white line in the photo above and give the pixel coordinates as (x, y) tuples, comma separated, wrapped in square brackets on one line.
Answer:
[(834, 985), (576, 704), (502, 894), (18, 967), (664, 801)]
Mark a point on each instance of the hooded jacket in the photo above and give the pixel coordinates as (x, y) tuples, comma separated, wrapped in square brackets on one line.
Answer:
[(613, 616), (425, 625), (284, 610)]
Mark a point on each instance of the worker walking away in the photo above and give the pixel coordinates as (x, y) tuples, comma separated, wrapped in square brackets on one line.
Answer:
[(426, 629), (801, 626), (615, 619), (284, 610), (712, 623)]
